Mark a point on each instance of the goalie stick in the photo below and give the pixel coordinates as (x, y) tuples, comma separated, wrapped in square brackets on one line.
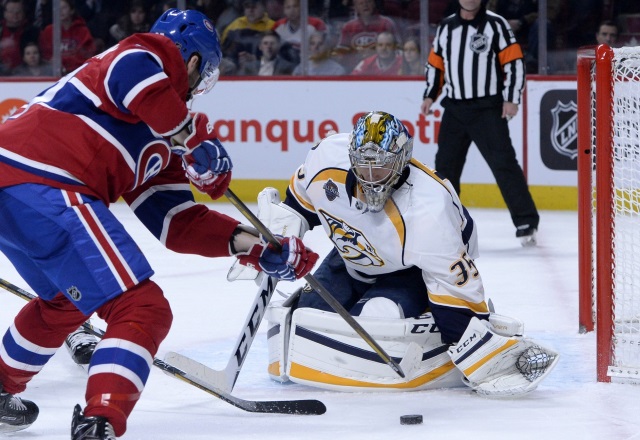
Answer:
[(313, 282), (299, 407), (226, 379)]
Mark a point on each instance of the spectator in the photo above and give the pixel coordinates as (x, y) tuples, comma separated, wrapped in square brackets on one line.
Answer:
[(520, 14), (241, 38), (386, 61), (411, 62), (211, 8), (15, 32), (330, 10), (134, 21), (480, 99), (320, 62), (76, 41), (406, 15), (290, 30), (274, 9), (270, 62), (607, 33), (32, 64), (232, 11), (100, 15), (358, 36)]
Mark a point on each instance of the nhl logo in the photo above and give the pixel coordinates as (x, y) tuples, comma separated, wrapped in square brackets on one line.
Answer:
[(74, 293), (564, 133), (331, 190), (479, 43)]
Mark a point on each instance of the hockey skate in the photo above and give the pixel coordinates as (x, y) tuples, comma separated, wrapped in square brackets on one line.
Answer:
[(81, 345), (90, 428), (527, 235), (16, 414)]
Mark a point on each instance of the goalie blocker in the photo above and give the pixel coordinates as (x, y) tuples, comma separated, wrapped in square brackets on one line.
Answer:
[(318, 348)]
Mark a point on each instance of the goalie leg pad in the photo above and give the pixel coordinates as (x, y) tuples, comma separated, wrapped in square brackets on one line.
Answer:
[(325, 352), (499, 366)]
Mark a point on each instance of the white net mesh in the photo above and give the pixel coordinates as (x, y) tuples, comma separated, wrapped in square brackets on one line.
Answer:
[(626, 213)]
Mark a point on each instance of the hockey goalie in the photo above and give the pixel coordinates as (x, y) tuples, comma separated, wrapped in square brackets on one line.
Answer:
[(402, 264)]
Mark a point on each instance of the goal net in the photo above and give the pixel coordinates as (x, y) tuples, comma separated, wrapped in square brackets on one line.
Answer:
[(609, 207)]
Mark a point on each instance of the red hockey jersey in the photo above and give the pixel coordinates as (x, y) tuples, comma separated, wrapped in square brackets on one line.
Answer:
[(103, 130)]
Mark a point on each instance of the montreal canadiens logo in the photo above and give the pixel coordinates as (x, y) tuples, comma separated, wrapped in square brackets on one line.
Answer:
[(152, 159), (208, 25)]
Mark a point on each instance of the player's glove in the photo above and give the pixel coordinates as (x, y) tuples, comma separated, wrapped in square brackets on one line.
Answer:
[(293, 261), (201, 130), (208, 167)]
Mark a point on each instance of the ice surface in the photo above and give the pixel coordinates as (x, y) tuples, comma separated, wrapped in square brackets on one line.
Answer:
[(538, 285)]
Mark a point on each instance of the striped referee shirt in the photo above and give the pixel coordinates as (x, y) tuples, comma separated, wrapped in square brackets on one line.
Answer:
[(475, 59)]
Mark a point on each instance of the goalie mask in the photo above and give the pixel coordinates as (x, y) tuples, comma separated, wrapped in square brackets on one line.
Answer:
[(379, 150), (193, 33)]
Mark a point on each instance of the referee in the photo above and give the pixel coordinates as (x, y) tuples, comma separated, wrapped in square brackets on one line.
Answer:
[(477, 64)]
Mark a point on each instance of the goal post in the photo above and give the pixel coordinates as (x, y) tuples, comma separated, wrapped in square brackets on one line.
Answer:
[(609, 207)]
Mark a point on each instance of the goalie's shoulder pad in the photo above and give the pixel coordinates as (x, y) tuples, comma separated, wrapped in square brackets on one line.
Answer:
[(500, 366)]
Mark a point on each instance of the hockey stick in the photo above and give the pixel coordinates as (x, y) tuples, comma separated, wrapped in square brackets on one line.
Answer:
[(313, 282), (300, 407), (226, 379)]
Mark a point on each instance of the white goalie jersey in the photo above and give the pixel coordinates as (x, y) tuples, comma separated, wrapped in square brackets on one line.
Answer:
[(423, 224)]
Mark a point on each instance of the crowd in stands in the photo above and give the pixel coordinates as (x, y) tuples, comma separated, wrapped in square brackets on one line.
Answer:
[(265, 37)]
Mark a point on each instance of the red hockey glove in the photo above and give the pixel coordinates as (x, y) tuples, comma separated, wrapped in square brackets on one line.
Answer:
[(214, 185), (201, 130), (208, 167), (293, 261)]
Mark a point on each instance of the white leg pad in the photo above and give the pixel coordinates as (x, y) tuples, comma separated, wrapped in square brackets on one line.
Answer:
[(278, 321), (499, 366), (324, 351)]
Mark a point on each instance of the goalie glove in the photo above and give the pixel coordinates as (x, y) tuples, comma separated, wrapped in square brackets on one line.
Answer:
[(294, 260), (208, 167)]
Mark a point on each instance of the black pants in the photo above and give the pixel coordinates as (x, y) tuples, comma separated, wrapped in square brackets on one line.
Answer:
[(480, 121)]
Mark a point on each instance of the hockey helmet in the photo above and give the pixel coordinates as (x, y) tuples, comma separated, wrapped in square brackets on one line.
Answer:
[(380, 148), (193, 33)]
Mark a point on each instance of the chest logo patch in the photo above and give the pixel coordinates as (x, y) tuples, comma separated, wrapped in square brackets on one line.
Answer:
[(351, 243), (153, 159), (479, 43)]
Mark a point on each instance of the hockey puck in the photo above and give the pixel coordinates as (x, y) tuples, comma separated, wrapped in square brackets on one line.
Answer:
[(412, 419)]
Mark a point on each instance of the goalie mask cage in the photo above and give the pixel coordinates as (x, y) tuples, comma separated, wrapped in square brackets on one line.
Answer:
[(609, 207)]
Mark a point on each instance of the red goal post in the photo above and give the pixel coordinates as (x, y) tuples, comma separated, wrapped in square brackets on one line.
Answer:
[(609, 207)]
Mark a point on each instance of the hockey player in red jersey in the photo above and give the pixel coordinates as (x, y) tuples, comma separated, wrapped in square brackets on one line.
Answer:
[(118, 126)]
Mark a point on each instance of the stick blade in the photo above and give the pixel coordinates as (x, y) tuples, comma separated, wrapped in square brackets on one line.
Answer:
[(309, 407), (220, 380)]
